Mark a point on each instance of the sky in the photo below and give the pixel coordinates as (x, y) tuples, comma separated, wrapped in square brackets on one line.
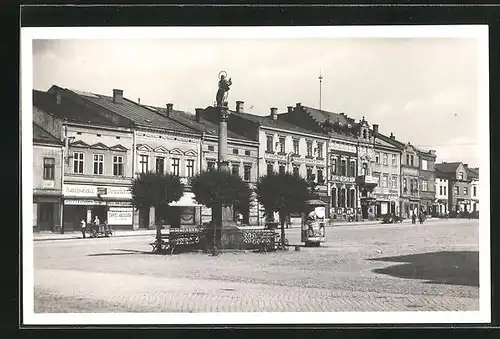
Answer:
[(424, 90)]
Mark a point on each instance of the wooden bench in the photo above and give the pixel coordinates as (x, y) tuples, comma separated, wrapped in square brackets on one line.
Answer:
[(177, 239), (162, 245)]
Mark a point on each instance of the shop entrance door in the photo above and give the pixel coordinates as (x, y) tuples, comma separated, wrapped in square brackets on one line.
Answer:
[(100, 212), (46, 216)]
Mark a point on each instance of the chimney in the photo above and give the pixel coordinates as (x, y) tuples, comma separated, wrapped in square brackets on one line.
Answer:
[(139, 101), (298, 104), (274, 113), (169, 109), (392, 136), (199, 112), (290, 109), (239, 106), (433, 152), (58, 98), (466, 165), (375, 129), (118, 96)]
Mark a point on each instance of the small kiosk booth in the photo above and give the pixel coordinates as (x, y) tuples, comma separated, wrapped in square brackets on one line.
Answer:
[(313, 223)]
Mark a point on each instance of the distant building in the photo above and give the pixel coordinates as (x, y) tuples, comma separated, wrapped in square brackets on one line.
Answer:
[(442, 189), (459, 185), (47, 180), (473, 175), (427, 181)]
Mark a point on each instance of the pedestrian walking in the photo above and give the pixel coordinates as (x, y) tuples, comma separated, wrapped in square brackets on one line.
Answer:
[(413, 217), (82, 227), (240, 219)]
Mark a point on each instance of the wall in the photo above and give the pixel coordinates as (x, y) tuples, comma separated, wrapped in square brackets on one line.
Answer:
[(39, 153), (48, 122), (391, 170)]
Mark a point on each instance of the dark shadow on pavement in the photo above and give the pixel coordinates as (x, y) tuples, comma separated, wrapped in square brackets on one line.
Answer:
[(454, 268), (121, 252)]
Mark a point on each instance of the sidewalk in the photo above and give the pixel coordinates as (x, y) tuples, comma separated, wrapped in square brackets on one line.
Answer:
[(78, 235)]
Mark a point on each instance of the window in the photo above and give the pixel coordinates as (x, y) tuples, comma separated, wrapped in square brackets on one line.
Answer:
[(365, 135), (247, 152), (343, 169), (394, 160), (160, 164), (246, 172), (466, 191), (296, 170), (405, 187), (98, 164), (408, 160), (385, 180), (175, 166), (461, 175), (445, 190), (190, 167), (309, 148), (235, 151), (296, 146), (320, 150), (474, 190), (78, 162), (455, 189), (320, 176), (440, 190), (377, 177), (424, 185), (117, 165), (282, 144), (309, 175), (270, 169), (281, 168), (377, 158), (211, 148), (394, 181), (210, 165), (143, 163), (424, 165), (269, 143), (411, 160), (385, 159), (235, 169), (48, 168), (334, 166), (352, 166)]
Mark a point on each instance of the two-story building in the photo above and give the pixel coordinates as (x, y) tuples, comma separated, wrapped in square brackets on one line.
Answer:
[(441, 185), (283, 147), (459, 183), (96, 172), (242, 155), (427, 181), (47, 180), (158, 143), (387, 173)]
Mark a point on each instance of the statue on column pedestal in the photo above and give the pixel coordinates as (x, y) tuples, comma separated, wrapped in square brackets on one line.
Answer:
[(222, 92)]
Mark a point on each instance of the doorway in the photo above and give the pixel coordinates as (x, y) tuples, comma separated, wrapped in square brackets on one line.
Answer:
[(46, 216)]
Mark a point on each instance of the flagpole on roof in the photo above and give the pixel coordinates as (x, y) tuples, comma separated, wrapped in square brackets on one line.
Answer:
[(320, 80)]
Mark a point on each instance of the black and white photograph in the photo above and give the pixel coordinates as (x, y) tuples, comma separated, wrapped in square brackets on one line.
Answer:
[(255, 175)]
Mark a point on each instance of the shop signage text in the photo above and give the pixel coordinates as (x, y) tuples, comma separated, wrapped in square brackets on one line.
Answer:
[(83, 202), (120, 215), (80, 190)]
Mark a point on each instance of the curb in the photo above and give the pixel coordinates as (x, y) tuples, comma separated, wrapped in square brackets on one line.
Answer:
[(79, 237)]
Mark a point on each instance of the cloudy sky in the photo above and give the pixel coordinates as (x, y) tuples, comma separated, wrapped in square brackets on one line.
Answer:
[(424, 90)]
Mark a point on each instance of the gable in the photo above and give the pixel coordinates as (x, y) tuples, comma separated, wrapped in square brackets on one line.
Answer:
[(462, 169), (161, 149), (190, 153), (118, 148), (176, 151), (144, 148), (99, 145), (80, 144)]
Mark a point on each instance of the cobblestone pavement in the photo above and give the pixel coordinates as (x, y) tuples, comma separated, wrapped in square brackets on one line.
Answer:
[(120, 275)]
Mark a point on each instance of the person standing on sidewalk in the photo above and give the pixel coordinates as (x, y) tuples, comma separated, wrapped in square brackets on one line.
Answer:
[(413, 217), (82, 227)]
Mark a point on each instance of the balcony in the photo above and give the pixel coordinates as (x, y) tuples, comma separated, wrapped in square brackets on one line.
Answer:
[(366, 180)]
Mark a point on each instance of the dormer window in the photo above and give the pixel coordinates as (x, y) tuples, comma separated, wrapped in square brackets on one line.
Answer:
[(365, 136)]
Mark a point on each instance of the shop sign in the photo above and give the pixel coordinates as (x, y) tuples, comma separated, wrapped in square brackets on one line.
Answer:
[(117, 192), (120, 215), (119, 203), (80, 190), (83, 202), (48, 184)]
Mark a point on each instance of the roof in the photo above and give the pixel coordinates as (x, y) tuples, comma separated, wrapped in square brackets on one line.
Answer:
[(472, 173), (41, 135), (68, 109), (278, 123), (321, 116), (384, 143), (139, 114), (203, 125), (447, 167)]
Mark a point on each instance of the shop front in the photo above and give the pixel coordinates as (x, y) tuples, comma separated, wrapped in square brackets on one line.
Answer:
[(111, 205), (47, 212), (186, 211)]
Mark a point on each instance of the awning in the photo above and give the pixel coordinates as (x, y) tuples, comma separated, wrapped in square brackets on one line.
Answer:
[(187, 200)]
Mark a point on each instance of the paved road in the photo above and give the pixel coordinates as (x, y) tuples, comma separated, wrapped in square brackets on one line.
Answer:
[(361, 268)]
